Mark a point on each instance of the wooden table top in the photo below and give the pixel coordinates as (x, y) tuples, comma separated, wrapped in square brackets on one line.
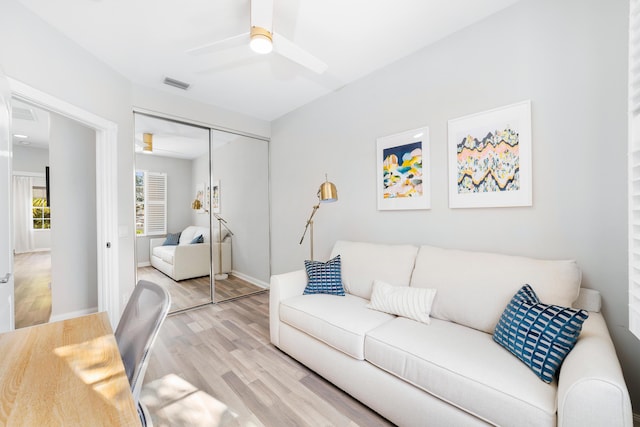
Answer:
[(64, 373)]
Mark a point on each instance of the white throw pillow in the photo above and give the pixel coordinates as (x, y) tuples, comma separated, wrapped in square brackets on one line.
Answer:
[(412, 303)]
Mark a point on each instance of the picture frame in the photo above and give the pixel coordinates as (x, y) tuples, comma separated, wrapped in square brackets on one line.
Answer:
[(207, 198), (215, 197), (403, 170), (490, 158), (200, 195)]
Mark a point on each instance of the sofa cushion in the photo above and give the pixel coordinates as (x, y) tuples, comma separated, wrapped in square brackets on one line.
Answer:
[(540, 335), (172, 239), (340, 322), (464, 367), (412, 303), (193, 231), (324, 277), (165, 253), (362, 263), (473, 288)]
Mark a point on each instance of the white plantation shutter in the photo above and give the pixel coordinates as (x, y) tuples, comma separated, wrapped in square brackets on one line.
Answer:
[(156, 203), (634, 168)]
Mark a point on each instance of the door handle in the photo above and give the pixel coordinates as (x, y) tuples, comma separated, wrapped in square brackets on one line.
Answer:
[(6, 278)]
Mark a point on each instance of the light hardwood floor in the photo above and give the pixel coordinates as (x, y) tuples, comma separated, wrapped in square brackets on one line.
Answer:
[(192, 292), (215, 366), (32, 277)]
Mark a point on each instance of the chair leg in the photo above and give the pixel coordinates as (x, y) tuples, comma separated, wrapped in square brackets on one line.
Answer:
[(145, 416)]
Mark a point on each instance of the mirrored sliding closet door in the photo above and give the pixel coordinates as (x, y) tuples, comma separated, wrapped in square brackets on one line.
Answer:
[(202, 211)]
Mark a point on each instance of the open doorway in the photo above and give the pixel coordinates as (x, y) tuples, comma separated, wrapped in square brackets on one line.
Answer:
[(53, 198)]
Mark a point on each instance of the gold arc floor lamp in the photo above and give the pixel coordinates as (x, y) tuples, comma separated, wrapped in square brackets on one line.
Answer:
[(327, 193), (221, 223)]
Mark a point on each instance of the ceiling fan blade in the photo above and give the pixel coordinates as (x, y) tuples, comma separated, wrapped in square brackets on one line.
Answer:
[(229, 43), (235, 63), (295, 53), (262, 14)]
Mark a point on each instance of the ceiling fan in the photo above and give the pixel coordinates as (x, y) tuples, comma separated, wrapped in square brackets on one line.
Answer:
[(262, 39), (145, 145)]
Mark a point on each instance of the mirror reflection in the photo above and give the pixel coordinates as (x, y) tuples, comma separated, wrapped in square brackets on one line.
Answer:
[(240, 214), (172, 239), (202, 211)]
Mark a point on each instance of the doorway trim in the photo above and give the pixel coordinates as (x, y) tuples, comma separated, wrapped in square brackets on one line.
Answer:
[(106, 189)]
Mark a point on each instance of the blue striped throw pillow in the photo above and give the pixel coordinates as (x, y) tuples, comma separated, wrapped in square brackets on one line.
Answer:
[(324, 277), (541, 335)]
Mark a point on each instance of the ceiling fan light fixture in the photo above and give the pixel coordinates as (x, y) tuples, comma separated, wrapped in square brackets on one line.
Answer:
[(147, 138), (261, 40)]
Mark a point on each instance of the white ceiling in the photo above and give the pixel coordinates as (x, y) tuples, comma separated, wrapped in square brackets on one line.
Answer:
[(147, 40), (29, 125), (178, 140), (171, 139)]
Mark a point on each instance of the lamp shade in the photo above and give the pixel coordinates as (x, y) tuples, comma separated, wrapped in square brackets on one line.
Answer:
[(327, 192)]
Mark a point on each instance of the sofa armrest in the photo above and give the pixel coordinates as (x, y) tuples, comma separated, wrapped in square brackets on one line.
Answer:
[(588, 299), (591, 388), (283, 286), (155, 242), (191, 260)]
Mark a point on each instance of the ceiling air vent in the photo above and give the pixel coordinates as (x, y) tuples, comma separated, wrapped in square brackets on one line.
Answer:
[(23, 114), (176, 83)]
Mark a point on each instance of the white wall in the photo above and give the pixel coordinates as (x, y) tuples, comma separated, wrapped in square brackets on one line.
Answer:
[(30, 159), (74, 268), (569, 59), (36, 54), (41, 57), (173, 104), (178, 196), (33, 160), (199, 177), (242, 167)]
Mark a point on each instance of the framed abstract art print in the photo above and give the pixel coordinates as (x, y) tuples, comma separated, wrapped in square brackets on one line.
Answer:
[(403, 171), (490, 158)]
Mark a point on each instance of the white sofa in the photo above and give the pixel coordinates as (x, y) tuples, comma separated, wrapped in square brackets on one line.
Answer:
[(186, 260), (449, 372)]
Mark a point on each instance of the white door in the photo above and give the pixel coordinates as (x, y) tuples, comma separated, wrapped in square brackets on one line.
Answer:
[(6, 252)]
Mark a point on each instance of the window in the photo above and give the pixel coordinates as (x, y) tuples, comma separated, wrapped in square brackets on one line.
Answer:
[(151, 203), (40, 212), (634, 168)]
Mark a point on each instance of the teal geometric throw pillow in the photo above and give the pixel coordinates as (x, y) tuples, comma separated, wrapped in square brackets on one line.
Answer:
[(540, 335), (324, 277)]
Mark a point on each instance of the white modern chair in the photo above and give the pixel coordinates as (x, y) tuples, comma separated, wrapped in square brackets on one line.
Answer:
[(136, 332)]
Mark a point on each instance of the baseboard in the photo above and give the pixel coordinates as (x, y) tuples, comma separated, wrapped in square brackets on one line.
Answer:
[(72, 314), (144, 264), (250, 279), (33, 250)]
